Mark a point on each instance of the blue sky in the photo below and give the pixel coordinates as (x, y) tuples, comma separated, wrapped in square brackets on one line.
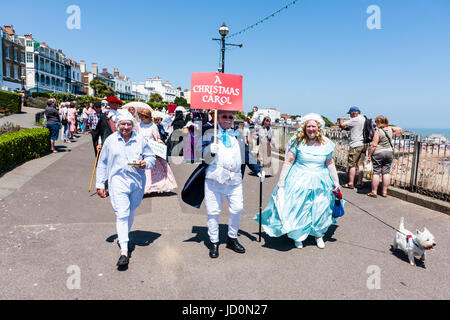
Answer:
[(317, 56)]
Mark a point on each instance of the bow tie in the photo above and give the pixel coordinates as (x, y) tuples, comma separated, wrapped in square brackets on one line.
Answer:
[(225, 136)]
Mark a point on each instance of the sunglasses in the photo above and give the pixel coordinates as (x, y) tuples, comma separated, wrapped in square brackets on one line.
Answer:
[(229, 117), (143, 116)]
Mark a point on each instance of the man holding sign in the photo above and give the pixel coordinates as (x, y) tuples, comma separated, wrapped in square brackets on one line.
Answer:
[(224, 152)]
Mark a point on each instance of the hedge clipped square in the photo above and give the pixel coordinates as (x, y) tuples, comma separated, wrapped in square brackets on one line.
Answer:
[(11, 101), (18, 147)]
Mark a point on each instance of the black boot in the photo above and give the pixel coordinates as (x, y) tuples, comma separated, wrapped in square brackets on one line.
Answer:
[(214, 250), (123, 261), (234, 245)]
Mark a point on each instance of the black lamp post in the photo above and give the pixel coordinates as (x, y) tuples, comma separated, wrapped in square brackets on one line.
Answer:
[(224, 32)]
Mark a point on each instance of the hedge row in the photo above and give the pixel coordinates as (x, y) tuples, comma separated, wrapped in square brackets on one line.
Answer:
[(10, 101), (18, 147), (39, 99)]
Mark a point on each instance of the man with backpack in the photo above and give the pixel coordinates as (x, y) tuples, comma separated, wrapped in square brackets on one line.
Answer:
[(357, 140)]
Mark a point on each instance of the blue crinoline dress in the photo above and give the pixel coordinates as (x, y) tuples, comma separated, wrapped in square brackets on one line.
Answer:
[(308, 198)]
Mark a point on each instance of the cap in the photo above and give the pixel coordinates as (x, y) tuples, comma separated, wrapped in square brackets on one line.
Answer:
[(354, 109), (113, 99)]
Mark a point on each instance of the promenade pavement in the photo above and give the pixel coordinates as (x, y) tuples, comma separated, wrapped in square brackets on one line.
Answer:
[(53, 229)]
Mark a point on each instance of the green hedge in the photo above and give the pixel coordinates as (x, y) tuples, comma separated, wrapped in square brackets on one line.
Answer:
[(10, 101), (18, 147)]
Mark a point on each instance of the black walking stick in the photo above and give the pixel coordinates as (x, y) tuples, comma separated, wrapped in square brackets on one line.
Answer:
[(260, 205)]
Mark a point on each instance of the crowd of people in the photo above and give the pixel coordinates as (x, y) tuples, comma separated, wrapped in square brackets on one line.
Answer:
[(302, 202)]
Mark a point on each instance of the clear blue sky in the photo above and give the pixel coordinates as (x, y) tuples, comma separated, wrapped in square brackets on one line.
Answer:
[(317, 56)]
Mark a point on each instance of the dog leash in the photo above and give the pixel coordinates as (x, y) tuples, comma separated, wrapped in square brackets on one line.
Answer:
[(376, 218)]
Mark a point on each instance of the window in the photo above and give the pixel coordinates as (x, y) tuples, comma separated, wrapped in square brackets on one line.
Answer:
[(16, 72), (22, 57), (29, 57), (7, 53), (29, 43), (8, 70), (15, 54)]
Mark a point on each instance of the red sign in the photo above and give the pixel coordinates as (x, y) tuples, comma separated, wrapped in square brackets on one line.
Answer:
[(213, 90), (171, 108)]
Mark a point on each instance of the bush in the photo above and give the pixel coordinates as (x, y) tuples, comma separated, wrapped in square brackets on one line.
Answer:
[(10, 101), (8, 127), (41, 94), (38, 102), (18, 147)]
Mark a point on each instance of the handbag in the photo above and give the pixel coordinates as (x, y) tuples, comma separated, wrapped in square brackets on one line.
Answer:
[(193, 191), (338, 210)]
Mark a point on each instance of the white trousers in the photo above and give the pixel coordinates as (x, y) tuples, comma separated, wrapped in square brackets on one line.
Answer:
[(124, 203), (215, 194)]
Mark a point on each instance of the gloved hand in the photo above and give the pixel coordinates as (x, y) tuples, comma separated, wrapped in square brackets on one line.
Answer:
[(214, 148), (262, 176)]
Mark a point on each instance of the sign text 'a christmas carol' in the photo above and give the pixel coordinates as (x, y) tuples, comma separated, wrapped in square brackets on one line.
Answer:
[(213, 90)]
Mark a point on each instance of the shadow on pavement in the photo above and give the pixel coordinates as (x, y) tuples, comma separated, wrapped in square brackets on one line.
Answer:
[(202, 235), (284, 243), (138, 238), (403, 256)]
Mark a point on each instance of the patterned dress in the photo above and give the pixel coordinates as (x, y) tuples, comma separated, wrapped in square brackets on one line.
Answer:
[(160, 178)]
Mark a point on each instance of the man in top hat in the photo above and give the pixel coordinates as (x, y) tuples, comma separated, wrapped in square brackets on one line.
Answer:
[(223, 180), (357, 152), (106, 125)]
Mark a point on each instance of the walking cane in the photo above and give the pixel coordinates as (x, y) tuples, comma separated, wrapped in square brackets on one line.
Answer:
[(93, 172), (260, 206)]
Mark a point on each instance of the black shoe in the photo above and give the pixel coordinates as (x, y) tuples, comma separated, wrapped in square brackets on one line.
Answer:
[(214, 250), (234, 245), (123, 261)]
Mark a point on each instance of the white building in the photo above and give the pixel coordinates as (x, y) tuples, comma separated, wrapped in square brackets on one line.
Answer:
[(273, 113), (164, 88), (437, 139), (140, 92), (123, 86)]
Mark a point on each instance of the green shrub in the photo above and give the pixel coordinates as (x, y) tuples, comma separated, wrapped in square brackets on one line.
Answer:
[(18, 147), (38, 102), (41, 94), (10, 101)]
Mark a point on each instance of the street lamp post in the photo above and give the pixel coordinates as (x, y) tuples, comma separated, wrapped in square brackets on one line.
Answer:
[(223, 31), (23, 80)]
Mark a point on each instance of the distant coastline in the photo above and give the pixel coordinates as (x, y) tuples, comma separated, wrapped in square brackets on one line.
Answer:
[(425, 132)]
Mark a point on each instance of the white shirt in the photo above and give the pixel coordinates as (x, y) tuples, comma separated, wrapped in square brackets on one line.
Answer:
[(115, 157), (225, 168)]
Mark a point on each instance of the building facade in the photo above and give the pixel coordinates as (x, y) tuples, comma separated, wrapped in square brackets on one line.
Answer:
[(164, 88), (140, 92), (87, 77), (123, 86), (13, 60)]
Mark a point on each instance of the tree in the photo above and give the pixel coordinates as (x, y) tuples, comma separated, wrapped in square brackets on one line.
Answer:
[(101, 89), (240, 116), (328, 123), (180, 101), (155, 97)]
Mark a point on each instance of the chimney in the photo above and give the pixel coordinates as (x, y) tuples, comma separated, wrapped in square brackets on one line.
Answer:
[(82, 66), (28, 36), (116, 72), (94, 69)]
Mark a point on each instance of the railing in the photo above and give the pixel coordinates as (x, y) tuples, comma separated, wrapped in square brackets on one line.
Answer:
[(419, 165)]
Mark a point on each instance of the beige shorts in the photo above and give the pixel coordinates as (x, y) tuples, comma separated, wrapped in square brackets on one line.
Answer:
[(356, 156)]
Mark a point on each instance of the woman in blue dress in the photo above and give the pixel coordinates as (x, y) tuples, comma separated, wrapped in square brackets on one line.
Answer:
[(302, 203)]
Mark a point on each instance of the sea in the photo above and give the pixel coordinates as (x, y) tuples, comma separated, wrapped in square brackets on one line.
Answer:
[(425, 132)]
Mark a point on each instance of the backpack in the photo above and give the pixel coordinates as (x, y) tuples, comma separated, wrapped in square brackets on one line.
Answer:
[(368, 130)]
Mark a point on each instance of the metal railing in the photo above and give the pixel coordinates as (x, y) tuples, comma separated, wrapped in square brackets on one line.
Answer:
[(419, 165)]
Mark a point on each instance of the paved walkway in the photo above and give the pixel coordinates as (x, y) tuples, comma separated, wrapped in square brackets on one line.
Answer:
[(26, 119), (52, 230)]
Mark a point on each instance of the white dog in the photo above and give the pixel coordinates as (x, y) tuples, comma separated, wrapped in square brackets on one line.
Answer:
[(413, 245)]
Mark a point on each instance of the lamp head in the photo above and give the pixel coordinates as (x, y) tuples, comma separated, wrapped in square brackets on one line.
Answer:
[(223, 30)]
